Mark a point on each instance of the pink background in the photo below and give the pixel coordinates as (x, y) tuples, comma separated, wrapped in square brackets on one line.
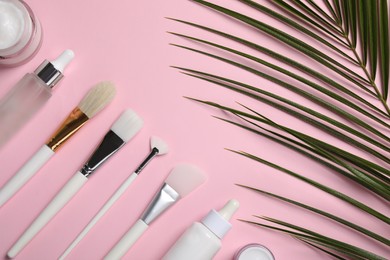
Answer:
[(126, 42)]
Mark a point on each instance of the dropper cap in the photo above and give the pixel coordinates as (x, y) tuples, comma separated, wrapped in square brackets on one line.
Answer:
[(218, 222), (51, 72)]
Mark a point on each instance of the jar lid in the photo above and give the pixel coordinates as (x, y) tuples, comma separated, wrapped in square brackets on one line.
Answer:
[(254, 252)]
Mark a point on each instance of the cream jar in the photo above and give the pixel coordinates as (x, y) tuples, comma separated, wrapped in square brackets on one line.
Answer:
[(20, 33), (254, 252)]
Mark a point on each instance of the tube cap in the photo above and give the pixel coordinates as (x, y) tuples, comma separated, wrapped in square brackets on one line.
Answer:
[(218, 222), (52, 72)]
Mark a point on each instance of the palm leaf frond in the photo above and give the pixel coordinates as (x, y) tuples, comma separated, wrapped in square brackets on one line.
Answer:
[(341, 28)]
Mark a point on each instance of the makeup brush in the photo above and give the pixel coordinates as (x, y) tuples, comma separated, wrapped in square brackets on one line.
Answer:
[(128, 124), (93, 102), (158, 147), (183, 179)]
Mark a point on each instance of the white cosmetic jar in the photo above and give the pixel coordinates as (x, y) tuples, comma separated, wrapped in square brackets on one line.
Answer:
[(254, 252), (20, 33)]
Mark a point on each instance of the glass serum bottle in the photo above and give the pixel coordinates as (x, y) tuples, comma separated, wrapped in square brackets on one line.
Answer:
[(30, 94)]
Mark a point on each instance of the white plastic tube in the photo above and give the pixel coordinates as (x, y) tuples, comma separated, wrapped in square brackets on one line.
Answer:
[(127, 241), (118, 193), (59, 201), (25, 173)]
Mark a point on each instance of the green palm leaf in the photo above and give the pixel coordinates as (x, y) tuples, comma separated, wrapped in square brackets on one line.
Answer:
[(297, 27), (332, 11), (219, 81), (322, 249), (344, 27), (306, 18), (347, 248), (292, 75), (291, 41), (325, 214), (313, 237), (297, 90)]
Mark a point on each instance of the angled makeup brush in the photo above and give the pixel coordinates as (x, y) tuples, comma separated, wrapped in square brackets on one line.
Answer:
[(128, 124), (93, 102), (158, 147), (182, 180)]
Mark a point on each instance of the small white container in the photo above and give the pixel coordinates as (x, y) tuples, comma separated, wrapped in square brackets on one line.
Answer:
[(254, 252), (203, 239), (20, 33)]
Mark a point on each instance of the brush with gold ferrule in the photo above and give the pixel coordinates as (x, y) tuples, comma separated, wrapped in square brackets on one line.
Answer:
[(94, 101), (121, 132)]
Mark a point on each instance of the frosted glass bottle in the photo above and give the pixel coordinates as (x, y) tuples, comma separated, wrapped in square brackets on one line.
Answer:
[(29, 95)]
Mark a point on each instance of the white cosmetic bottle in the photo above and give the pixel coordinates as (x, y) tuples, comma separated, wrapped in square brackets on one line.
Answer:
[(30, 94), (203, 239)]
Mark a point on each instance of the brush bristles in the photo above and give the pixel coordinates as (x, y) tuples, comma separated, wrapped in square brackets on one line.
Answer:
[(127, 125), (156, 142), (184, 178), (97, 98)]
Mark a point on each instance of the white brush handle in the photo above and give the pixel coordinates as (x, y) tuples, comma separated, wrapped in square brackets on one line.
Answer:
[(25, 173), (127, 241), (118, 193), (59, 201)]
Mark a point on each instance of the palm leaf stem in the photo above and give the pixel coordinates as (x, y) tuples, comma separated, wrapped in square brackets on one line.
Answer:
[(299, 91), (325, 214)]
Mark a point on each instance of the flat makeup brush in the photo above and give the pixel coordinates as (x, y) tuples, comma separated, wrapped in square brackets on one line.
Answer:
[(124, 128), (158, 147), (183, 179), (97, 98)]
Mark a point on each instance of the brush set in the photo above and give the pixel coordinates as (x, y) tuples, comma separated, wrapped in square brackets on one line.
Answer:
[(182, 180)]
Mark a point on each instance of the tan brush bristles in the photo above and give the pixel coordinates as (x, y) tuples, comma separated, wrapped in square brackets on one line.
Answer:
[(97, 98)]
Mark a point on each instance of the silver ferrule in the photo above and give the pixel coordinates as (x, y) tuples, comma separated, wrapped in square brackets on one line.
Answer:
[(48, 73), (152, 154), (164, 199)]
